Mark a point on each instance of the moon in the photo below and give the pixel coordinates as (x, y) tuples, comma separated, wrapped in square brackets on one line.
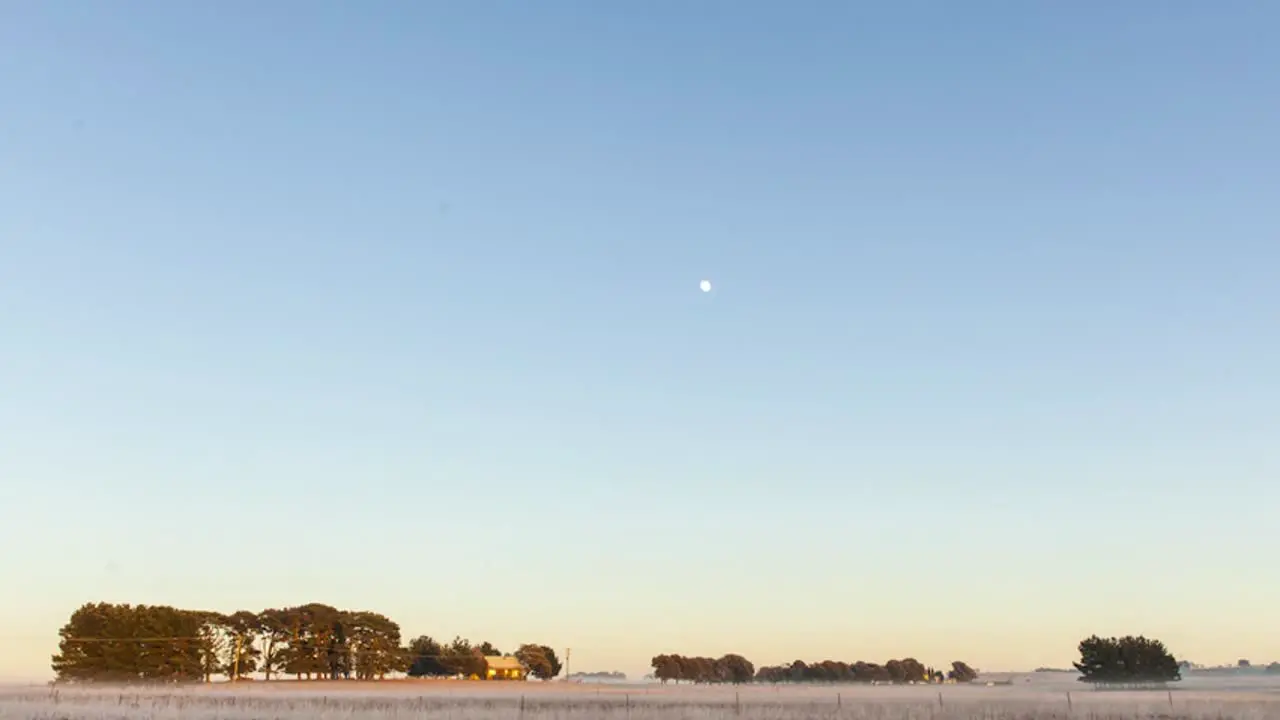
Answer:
[(705, 285)]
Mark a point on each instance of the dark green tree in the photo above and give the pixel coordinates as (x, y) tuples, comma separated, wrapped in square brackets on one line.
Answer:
[(244, 628), (214, 643), (275, 628), (426, 658), (460, 657), (374, 640), (962, 673), (1126, 660), (105, 642)]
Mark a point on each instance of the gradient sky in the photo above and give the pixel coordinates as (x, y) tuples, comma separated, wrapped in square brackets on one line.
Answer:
[(395, 306)]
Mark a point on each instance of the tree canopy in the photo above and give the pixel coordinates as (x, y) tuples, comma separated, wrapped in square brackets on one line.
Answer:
[(1127, 660), (737, 669), (727, 669), (906, 670), (155, 643)]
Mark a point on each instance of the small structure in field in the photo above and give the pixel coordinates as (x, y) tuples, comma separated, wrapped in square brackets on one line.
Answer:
[(503, 667)]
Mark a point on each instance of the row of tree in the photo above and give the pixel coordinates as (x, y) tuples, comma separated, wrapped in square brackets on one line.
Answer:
[(610, 675), (906, 670), (1242, 667), (129, 643), (728, 669), (1128, 660), (737, 669)]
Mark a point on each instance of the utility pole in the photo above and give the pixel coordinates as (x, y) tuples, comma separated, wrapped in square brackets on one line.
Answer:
[(567, 652), (235, 661)]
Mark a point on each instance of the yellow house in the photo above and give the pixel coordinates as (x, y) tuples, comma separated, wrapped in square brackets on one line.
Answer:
[(503, 667)]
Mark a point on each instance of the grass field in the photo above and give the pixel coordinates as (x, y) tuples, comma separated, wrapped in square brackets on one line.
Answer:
[(411, 700)]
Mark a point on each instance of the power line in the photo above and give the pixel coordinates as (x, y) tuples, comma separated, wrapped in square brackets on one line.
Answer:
[(134, 639)]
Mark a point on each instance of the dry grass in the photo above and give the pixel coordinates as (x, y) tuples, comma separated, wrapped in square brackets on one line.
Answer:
[(419, 700)]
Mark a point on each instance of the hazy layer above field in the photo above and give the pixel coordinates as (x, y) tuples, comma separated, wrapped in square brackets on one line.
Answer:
[(557, 701)]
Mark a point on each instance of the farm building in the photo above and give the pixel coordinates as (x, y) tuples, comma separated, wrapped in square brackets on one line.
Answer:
[(503, 667)]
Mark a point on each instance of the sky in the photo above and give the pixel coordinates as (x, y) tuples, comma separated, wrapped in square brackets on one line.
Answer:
[(395, 306)]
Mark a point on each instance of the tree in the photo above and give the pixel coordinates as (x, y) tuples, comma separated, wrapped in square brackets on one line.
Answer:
[(426, 658), (1126, 660), (665, 667), (737, 669), (556, 665), (213, 643), (1273, 669), (539, 661), (273, 624), (962, 673), (913, 671), (154, 643), (106, 642), (460, 657), (375, 641), (244, 628), (315, 645)]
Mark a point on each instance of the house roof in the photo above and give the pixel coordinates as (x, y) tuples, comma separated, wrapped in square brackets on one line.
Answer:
[(503, 662)]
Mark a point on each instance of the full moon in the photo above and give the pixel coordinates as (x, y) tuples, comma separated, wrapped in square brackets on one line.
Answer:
[(705, 285)]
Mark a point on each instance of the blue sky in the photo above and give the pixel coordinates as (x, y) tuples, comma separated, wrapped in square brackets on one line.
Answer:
[(395, 306)]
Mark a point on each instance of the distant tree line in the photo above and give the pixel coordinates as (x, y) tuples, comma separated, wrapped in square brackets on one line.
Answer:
[(613, 675), (1242, 667), (906, 670), (737, 669), (155, 643)]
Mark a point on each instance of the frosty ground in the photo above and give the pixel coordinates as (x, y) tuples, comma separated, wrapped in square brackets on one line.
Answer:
[(1028, 697)]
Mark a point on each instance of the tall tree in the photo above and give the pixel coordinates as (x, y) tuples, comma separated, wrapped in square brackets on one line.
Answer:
[(274, 625), (535, 661), (462, 658), (913, 671), (738, 669), (316, 645), (375, 642), (426, 658), (127, 643), (665, 668), (1126, 660), (213, 632), (242, 656)]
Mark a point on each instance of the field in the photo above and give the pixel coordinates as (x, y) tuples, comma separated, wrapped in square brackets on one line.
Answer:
[(1028, 697)]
